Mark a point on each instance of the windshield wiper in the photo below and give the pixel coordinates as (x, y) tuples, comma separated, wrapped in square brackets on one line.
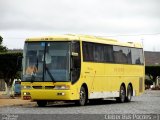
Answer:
[(37, 63), (32, 78), (50, 75)]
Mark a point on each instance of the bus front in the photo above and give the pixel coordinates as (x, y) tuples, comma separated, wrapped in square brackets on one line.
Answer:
[(50, 70)]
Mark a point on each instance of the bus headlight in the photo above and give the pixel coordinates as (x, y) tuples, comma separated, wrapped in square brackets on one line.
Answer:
[(26, 93), (62, 87), (26, 87)]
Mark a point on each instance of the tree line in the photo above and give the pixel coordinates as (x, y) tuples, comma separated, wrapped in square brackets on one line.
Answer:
[(10, 65)]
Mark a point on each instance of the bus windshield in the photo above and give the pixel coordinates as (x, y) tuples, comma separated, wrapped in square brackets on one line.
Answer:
[(46, 61)]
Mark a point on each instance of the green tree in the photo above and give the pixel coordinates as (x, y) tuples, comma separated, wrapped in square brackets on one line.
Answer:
[(9, 67), (153, 71), (2, 48)]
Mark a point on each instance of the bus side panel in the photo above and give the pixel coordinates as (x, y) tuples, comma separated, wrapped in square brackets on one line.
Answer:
[(105, 79)]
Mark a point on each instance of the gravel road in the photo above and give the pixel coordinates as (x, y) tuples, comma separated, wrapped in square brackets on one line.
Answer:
[(148, 103)]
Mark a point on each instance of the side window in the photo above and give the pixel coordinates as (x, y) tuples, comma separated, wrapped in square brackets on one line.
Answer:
[(137, 56), (129, 57), (98, 53), (95, 52), (108, 53), (141, 56), (75, 61), (119, 55), (88, 51), (122, 54)]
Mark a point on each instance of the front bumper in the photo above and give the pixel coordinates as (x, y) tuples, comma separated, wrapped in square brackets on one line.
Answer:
[(49, 95)]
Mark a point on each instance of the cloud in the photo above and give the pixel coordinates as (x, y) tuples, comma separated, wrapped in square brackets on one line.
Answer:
[(70, 15), (99, 17)]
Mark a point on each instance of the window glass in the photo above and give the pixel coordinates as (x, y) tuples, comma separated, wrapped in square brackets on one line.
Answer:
[(108, 53), (57, 54), (46, 61), (141, 56), (122, 54), (137, 56), (75, 61), (32, 64), (98, 53), (88, 51), (95, 52)]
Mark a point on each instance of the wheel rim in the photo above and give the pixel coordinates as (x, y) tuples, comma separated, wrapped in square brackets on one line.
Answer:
[(129, 96), (122, 94), (129, 93), (82, 96)]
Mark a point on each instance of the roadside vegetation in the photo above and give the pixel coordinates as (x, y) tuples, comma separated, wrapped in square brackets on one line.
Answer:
[(10, 66), (152, 80)]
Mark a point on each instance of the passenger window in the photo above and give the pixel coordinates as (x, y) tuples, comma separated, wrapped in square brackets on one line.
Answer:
[(75, 61), (137, 56)]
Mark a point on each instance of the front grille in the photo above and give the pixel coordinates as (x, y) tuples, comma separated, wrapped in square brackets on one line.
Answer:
[(49, 87), (37, 87)]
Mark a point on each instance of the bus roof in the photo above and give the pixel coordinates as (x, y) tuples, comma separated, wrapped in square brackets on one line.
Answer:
[(87, 38)]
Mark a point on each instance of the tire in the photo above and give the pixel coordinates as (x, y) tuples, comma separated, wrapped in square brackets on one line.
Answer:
[(41, 103), (83, 97), (129, 93), (122, 95)]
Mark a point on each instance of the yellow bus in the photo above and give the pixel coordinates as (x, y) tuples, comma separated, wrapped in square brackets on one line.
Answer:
[(81, 68)]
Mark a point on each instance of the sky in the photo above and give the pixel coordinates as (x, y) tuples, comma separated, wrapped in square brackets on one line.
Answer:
[(123, 20)]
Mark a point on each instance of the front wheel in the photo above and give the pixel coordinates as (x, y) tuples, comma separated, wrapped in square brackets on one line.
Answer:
[(83, 97), (41, 103), (122, 95)]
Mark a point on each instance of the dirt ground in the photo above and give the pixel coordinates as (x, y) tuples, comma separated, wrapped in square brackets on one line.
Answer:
[(12, 101)]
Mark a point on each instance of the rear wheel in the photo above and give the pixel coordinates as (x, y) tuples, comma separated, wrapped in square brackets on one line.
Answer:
[(83, 97), (41, 103), (129, 93), (122, 94)]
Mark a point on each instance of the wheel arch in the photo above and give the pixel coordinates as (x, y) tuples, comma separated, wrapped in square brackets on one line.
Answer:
[(121, 97), (86, 88), (131, 87), (123, 84)]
